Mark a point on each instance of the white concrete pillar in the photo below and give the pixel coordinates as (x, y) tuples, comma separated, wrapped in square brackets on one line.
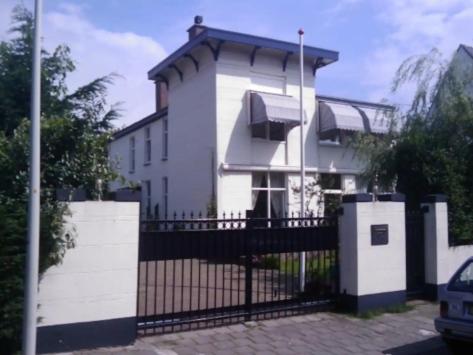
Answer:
[(89, 299), (372, 252), (441, 258)]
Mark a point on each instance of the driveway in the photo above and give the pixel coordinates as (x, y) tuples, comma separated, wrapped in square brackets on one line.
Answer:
[(319, 333)]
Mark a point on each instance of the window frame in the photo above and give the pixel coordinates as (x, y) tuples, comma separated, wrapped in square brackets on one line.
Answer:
[(267, 133), (132, 155), (269, 189), (147, 196), (165, 136), (147, 146), (165, 187)]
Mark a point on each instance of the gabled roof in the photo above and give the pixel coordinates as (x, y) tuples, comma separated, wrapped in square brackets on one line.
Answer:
[(214, 38), (141, 123), (467, 49)]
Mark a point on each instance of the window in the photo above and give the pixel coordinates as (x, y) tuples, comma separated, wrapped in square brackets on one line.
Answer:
[(338, 137), (147, 194), (273, 131), (165, 196), (463, 280), (165, 138), (331, 185), (331, 181), (268, 194), (132, 154), (147, 145)]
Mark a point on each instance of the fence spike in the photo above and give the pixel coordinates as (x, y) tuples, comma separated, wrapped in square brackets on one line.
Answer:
[(175, 215)]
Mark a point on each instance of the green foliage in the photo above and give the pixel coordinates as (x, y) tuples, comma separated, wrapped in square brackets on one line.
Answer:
[(433, 152), (75, 130)]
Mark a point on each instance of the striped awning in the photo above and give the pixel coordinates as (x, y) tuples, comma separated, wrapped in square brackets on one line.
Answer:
[(274, 108), (334, 116), (378, 120)]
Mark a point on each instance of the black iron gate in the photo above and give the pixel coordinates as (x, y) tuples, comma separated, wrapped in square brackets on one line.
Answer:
[(199, 272), (415, 255)]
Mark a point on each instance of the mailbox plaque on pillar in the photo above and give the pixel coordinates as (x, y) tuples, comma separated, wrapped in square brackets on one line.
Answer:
[(379, 234)]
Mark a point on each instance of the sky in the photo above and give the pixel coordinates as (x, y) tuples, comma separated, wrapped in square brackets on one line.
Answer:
[(129, 37)]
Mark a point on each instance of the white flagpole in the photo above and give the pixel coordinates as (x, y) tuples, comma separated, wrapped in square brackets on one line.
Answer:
[(301, 112), (32, 254)]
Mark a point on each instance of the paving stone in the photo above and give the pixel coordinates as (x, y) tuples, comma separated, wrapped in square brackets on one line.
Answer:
[(318, 333)]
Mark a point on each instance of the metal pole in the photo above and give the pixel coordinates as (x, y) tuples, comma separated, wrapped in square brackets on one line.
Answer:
[(32, 255), (301, 112)]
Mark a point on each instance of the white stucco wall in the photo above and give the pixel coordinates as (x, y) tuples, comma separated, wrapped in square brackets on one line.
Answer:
[(119, 151), (97, 279), (208, 116), (235, 145), (191, 137), (441, 260), (371, 269)]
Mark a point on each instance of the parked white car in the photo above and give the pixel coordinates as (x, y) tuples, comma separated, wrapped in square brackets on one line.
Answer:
[(456, 307)]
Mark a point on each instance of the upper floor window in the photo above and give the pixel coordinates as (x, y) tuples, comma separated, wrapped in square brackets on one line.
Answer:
[(269, 130), (272, 115), (161, 95), (165, 138), (147, 145), (132, 154)]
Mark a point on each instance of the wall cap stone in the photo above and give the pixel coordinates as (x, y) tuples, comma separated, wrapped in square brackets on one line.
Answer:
[(361, 197), (393, 197), (434, 198)]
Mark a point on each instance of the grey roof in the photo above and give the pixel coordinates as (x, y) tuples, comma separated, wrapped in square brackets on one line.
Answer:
[(468, 50), (344, 100), (274, 108), (320, 57), (141, 123)]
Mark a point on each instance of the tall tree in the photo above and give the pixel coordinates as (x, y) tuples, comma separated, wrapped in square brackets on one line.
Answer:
[(433, 152), (75, 128)]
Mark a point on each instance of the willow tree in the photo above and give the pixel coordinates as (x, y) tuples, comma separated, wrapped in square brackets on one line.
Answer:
[(432, 149)]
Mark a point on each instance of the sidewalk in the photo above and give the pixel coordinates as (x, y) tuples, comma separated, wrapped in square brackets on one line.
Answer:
[(319, 333)]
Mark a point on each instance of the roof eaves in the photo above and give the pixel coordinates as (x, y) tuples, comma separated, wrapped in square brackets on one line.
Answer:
[(271, 43), (342, 100), (328, 56), (184, 49), (141, 123)]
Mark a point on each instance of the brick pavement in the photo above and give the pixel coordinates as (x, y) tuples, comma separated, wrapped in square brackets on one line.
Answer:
[(319, 333)]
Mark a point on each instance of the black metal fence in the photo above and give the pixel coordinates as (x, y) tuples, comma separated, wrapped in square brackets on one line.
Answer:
[(199, 272)]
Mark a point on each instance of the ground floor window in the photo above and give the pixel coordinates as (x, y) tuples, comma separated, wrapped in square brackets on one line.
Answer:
[(331, 185), (147, 194), (268, 194)]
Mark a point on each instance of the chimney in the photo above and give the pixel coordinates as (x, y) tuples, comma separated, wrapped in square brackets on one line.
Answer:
[(196, 28)]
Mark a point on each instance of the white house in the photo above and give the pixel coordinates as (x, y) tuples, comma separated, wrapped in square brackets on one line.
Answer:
[(226, 128)]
